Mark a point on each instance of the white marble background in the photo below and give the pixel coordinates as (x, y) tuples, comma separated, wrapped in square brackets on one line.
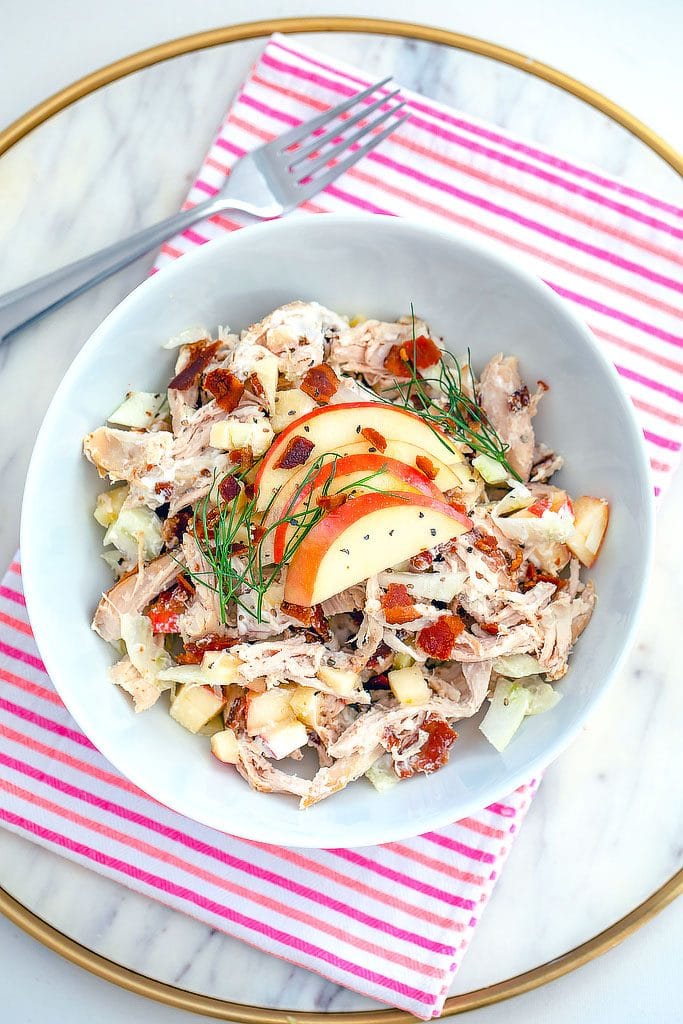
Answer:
[(605, 829)]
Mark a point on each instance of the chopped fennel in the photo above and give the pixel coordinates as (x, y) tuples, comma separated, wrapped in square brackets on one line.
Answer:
[(516, 666), (138, 410), (145, 650), (492, 471), (134, 527), (108, 505), (512, 701), (382, 775)]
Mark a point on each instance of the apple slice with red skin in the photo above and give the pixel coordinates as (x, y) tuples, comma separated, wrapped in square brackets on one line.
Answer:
[(328, 428), (591, 516), (364, 536), (392, 475)]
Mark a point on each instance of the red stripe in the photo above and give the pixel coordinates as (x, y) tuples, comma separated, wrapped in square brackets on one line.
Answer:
[(662, 442), (640, 350), (17, 624), (45, 723), (491, 179), (449, 118), (458, 847), (12, 595), (28, 659), (655, 385), (33, 688), (163, 885), (659, 467), (220, 855), (15, 567), (668, 417), (616, 314), (503, 809), (397, 876), (435, 865)]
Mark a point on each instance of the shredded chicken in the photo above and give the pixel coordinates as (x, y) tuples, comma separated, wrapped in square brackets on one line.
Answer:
[(383, 670)]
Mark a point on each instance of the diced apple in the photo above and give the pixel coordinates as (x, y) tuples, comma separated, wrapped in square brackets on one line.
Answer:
[(409, 685), (288, 407), (591, 516), (231, 434), (305, 703), (268, 709), (286, 737), (267, 370), (137, 410), (108, 505), (366, 535), (331, 426), (493, 471), (224, 746), (340, 474), (193, 706), (343, 682), (222, 669)]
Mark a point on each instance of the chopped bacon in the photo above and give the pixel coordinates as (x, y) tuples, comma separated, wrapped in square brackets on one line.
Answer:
[(327, 502), (296, 453), (378, 682), (458, 506), (228, 488), (174, 527), (408, 356), (433, 753), (397, 604), (438, 637), (376, 439), (165, 611), (189, 375), (533, 576), (186, 584), (225, 387), (258, 533), (490, 627), (320, 383), (209, 520), (311, 617), (249, 491), (517, 560), (422, 561), (381, 654), (486, 543), (426, 466), (541, 505), (255, 385), (519, 399), (196, 649), (164, 487), (244, 456)]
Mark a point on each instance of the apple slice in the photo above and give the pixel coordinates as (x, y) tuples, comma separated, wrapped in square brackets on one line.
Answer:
[(327, 428), (391, 475), (591, 516), (366, 535)]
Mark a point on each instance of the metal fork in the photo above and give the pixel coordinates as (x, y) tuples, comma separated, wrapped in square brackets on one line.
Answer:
[(267, 182)]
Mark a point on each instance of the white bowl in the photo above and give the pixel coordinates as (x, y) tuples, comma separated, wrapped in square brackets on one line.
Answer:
[(373, 266)]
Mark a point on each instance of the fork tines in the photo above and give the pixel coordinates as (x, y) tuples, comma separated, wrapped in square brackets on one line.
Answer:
[(330, 135)]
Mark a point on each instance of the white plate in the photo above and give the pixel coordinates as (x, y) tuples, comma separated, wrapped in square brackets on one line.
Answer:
[(360, 265)]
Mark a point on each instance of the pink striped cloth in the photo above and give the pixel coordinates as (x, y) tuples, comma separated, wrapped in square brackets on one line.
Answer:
[(391, 922)]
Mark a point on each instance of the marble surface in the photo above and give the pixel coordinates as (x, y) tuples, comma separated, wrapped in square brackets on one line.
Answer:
[(605, 829)]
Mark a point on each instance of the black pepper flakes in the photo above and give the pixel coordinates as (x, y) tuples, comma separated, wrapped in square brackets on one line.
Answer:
[(433, 531)]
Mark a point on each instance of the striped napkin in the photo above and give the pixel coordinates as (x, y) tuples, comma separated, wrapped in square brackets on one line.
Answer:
[(391, 922)]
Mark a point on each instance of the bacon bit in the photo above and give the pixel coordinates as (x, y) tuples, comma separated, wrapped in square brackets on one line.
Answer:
[(249, 491), (458, 506), (517, 560), (189, 375), (328, 502), (164, 487), (433, 753), (258, 533), (236, 715), (211, 519), (543, 386), (533, 576), (239, 548), (165, 611), (187, 586), (228, 488), (381, 654), (255, 385), (296, 453), (244, 456), (311, 618), (225, 387), (378, 682), (376, 439), (519, 399), (398, 605), (195, 650), (490, 627), (486, 543), (540, 506), (320, 383), (426, 466), (438, 638), (421, 561), (410, 356), (174, 527)]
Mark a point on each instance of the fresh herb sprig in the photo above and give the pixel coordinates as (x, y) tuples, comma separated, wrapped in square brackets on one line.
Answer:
[(233, 541), (452, 411)]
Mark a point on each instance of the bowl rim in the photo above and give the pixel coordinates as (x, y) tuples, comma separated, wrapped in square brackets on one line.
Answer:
[(360, 834)]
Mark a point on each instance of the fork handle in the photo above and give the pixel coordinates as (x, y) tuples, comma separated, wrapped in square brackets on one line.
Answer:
[(31, 301)]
